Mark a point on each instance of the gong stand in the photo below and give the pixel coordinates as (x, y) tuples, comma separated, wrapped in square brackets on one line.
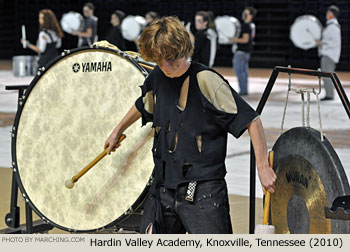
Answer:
[(12, 219), (344, 99)]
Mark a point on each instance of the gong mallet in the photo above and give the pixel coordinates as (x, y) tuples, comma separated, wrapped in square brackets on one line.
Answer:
[(265, 228), (70, 182)]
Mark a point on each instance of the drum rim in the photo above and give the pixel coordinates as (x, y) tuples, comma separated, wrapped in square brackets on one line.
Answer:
[(37, 77), (308, 16)]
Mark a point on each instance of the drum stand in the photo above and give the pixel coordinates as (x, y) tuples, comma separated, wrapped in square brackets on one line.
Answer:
[(12, 219), (342, 212)]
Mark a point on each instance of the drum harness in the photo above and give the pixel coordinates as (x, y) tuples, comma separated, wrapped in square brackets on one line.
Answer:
[(303, 92)]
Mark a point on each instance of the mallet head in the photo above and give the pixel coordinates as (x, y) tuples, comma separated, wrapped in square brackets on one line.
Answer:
[(69, 183)]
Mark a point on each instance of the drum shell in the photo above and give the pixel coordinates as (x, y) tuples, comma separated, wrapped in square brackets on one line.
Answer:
[(23, 162), (24, 65)]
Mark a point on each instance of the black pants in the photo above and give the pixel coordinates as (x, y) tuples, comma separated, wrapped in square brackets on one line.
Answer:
[(208, 214)]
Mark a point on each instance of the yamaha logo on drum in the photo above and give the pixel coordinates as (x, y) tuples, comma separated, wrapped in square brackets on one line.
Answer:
[(76, 67), (93, 67)]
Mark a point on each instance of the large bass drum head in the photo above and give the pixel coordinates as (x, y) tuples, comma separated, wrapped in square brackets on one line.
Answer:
[(227, 27), (71, 21), (304, 31), (309, 177), (68, 112)]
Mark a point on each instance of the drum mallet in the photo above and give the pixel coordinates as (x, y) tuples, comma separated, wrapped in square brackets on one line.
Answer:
[(70, 182), (265, 228)]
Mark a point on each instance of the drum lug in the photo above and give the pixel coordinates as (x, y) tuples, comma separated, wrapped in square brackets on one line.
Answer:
[(150, 181), (65, 52), (119, 230), (40, 70), (129, 211)]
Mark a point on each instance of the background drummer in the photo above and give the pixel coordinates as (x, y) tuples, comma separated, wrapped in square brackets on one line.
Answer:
[(204, 41), (88, 33), (244, 49), (114, 35), (330, 48), (49, 39), (192, 109)]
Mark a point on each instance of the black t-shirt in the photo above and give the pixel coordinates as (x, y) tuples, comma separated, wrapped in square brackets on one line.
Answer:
[(201, 52), (195, 136), (250, 29), (89, 22), (115, 37)]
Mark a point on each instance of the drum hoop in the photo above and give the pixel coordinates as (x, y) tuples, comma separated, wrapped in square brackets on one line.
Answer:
[(139, 199), (313, 18)]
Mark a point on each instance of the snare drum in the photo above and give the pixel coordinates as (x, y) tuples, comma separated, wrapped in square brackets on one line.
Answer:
[(227, 27), (71, 21), (132, 26), (24, 65), (69, 110), (304, 31)]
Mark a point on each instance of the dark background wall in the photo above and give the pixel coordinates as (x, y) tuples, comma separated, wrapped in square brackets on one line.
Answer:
[(272, 45)]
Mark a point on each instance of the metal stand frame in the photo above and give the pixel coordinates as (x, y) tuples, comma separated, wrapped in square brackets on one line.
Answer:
[(12, 219), (341, 93)]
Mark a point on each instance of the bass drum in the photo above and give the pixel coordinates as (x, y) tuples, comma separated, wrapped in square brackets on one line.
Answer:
[(132, 27), (71, 21), (304, 31), (67, 113), (227, 27)]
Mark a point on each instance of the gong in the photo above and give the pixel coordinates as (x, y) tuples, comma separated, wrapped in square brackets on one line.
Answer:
[(309, 177)]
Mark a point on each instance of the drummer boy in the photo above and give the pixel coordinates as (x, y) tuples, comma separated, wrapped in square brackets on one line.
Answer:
[(192, 108)]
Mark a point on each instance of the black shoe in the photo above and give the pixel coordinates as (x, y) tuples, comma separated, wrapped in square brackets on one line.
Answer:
[(327, 98), (243, 94)]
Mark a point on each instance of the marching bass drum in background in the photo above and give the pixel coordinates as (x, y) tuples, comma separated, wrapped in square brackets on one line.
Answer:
[(71, 21), (132, 26), (227, 27), (305, 31)]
